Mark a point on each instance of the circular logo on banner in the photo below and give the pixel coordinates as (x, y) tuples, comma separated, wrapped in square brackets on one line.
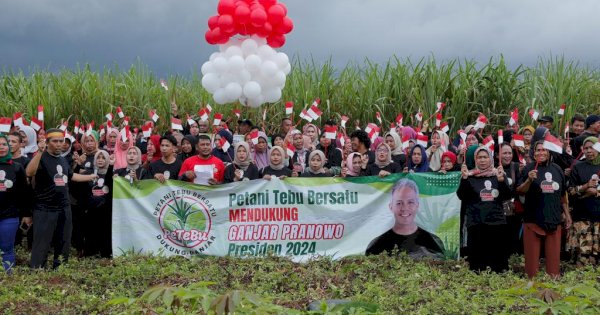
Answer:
[(185, 219)]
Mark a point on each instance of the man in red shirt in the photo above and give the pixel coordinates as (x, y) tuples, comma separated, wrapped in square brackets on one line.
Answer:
[(198, 164)]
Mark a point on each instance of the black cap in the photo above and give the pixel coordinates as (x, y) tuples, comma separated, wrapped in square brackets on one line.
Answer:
[(546, 119), (590, 120), (245, 122)]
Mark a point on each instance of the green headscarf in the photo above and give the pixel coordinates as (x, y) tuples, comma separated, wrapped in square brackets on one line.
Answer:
[(470, 156), (594, 140), (8, 157)]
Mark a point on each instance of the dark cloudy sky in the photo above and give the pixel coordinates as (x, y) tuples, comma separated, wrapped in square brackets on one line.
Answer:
[(168, 35)]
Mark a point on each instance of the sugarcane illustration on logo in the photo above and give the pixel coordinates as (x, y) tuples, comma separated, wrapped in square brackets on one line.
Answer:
[(185, 221)]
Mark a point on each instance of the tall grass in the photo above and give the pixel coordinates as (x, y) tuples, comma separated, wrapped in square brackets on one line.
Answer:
[(357, 90)]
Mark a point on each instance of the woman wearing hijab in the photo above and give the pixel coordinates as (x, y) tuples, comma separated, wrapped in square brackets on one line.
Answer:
[(152, 151), (439, 143), (242, 168), (14, 201), (218, 149), (543, 184), (449, 163), (276, 166), (513, 219), (31, 143), (392, 139), (261, 151), (316, 165), (112, 137), (352, 165), (133, 170), (417, 160), (188, 147), (120, 151), (311, 131), (98, 217), (584, 240), (383, 165), (563, 160), (482, 192)]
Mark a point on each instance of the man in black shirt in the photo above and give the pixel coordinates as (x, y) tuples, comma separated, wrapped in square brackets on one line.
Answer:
[(15, 139), (169, 165), (52, 219), (592, 128), (405, 234), (361, 143)]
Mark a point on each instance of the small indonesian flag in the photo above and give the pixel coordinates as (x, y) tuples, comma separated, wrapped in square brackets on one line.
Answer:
[(378, 116), (18, 119), (419, 116), (552, 143), (69, 136), (126, 121), (316, 102), (238, 113), (5, 124), (481, 122), (374, 133), (203, 113), (135, 130), (330, 132), (290, 150), (519, 140), (405, 142), (463, 135), (154, 116), (108, 124), (102, 131), (521, 159), (208, 108), (444, 127), (344, 121), (217, 119), (163, 83), (91, 125), (25, 122), (120, 112), (88, 131), (147, 130), (225, 145), (304, 115), (314, 112), (190, 121), (125, 134), (567, 130), (488, 142), (36, 124), (76, 129), (254, 136), (264, 116), (422, 140), (534, 114), (440, 106), (109, 116), (596, 146), (40, 112), (438, 119), (399, 120), (561, 110), (289, 108), (176, 124), (341, 138), (63, 127), (514, 117), (500, 136), (370, 127)]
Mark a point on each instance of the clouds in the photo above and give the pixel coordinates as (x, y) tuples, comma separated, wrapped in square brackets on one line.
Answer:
[(169, 35)]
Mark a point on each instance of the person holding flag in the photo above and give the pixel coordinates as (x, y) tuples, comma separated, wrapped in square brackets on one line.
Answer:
[(168, 166), (439, 143), (223, 151)]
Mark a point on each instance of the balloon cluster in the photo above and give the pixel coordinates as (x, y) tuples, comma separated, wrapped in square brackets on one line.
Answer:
[(248, 71), (265, 18)]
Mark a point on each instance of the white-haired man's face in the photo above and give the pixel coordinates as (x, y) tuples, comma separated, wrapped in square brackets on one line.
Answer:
[(404, 205)]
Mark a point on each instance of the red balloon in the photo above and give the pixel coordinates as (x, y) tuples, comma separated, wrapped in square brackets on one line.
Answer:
[(213, 22), (208, 36), (285, 27), (265, 30), (241, 29), (226, 23), (226, 7), (281, 4), (256, 6), (276, 14), (276, 41), (258, 17), (267, 3), (242, 13)]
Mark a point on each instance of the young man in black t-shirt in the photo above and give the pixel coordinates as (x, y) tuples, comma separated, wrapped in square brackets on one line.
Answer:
[(169, 165)]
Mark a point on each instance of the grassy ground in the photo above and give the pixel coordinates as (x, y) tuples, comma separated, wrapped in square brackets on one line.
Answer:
[(387, 285)]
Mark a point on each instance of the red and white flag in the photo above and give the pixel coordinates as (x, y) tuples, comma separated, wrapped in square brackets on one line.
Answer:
[(163, 83), (561, 110), (289, 108), (534, 114), (190, 121), (514, 117), (108, 124), (69, 136), (217, 119), (5, 123), (208, 108), (147, 130), (552, 143), (344, 121), (63, 127), (40, 110), (176, 124), (373, 134), (481, 122), (314, 112), (422, 140), (316, 102), (519, 140), (330, 132), (405, 142), (304, 115), (488, 142), (567, 130), (500, 136), (225, 145), (399, 120), (290, 150), (342, 139), (154, 116), (378, 116), (521, 159), (126, 121), (109, 116), (238, 113), (90, 128), (36, 124), (76, 129), (444, 127), (370, 127), (462, 134), (439, 106), (125, 133), (120, 112), (264, 116), (438, 119), (419, 116), (254, 136), (18, 119), (203, 114)]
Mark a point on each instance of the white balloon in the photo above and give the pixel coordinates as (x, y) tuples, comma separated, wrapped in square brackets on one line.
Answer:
[(257, 101), (211, 82), (265, 52), (272, 95), (213, 56), (278, 79), (244, 76), (236, 63), (207, 67), (233, 51), (281, 59), (233, 91), (220, 64), (268, 69), (253, 63), (227, 78), (287, 69), (249, 46), (259, 40), (252, 89), (220, 96)]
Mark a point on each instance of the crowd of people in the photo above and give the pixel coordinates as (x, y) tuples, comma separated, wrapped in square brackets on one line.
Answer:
[(517, 195)]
